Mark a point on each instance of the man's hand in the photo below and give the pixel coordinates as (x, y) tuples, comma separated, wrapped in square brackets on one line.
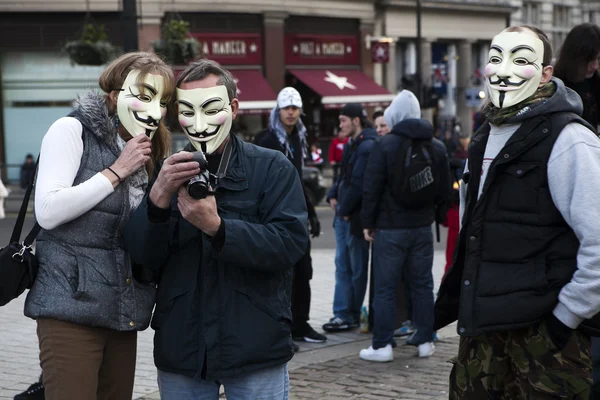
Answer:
[(369, 235), (176, 170), (200, 213), (333, 203), (347, 218)]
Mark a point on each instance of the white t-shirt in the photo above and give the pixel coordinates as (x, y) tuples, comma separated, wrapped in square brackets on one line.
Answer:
[(57, 201)]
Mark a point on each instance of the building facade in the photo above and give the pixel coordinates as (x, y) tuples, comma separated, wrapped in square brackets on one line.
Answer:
[(322, 47), (455, 44)]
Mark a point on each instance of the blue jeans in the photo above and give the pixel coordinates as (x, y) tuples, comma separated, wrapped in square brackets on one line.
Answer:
[(351, 272), (403, 254), (265, 384)]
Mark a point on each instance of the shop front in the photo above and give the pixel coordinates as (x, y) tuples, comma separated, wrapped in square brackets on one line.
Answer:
[(38, 81), (326, 71)]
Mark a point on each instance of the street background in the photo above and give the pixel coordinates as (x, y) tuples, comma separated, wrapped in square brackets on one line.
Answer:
[(329, 370)]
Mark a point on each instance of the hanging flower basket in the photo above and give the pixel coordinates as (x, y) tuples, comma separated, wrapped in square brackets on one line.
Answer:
[(176, 46), (177, 52), (92, 48)]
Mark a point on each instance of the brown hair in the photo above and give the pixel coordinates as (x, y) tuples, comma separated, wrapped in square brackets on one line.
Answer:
[(114, 75), (200, 69), (541, 35), (581, 46)]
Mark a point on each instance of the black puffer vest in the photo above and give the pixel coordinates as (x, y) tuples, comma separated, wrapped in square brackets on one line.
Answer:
[(515, 251)]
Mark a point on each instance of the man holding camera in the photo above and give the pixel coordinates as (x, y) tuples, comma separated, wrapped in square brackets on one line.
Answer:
[(223, 262)]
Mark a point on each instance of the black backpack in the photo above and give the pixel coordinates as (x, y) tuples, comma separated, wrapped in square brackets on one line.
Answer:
[(414, 175)]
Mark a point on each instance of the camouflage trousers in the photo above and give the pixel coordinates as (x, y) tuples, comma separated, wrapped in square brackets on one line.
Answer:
[(522, 364)]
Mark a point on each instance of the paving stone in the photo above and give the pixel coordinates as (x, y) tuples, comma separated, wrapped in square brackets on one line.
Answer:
[(341, 376)]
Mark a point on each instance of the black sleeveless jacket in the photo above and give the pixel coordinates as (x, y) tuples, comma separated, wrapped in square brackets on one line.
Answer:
[(515, 251)]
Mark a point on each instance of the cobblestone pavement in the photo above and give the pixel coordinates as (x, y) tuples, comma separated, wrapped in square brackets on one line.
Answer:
[(406, 378), (337, 359)]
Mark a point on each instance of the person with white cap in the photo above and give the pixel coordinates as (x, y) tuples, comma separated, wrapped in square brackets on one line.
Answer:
[(287, 133)]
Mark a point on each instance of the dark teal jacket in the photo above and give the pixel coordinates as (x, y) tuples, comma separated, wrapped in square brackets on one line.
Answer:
[(227, 310)]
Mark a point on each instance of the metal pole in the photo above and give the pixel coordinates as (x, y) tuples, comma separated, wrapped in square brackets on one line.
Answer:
[(130, 30), (419, 55)]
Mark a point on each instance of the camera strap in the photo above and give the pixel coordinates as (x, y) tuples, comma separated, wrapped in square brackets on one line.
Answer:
[(223, 164)]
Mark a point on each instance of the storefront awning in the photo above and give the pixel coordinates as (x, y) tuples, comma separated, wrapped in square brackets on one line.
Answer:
[(254, 92), (340, 86)]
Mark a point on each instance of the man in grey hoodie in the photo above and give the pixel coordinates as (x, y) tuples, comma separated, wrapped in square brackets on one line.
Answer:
[(525, 281), (402, 235)]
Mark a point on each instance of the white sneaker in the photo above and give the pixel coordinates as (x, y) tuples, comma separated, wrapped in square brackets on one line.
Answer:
[(426, 349), (384, 354)]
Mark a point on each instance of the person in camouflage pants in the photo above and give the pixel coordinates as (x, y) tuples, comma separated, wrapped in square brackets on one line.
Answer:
[(521, 364), (524, 282)]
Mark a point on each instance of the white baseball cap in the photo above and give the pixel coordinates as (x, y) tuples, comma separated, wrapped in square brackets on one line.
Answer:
[(289, 97)]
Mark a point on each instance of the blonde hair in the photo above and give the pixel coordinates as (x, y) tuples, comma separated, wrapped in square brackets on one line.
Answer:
[(113, 77)]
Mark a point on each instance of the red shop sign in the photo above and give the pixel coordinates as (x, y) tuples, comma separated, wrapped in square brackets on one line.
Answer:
[(231, 48), (321, 50)]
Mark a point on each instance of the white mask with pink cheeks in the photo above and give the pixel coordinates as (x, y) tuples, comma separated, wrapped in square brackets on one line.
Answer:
[(140, 105), (514, 69), (206, 116)]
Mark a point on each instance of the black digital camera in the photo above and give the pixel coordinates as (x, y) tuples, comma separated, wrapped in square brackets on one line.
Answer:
[(199, 186)]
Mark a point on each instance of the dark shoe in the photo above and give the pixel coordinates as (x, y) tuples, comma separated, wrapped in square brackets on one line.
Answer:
[(415, 340), (337, 325), (295, 347), (34, 392), (308, 334)]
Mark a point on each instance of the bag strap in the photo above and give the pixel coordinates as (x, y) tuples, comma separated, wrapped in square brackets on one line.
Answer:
[(16, 234)]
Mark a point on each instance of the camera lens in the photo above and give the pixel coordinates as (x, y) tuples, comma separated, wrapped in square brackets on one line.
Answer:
[(197, 187)]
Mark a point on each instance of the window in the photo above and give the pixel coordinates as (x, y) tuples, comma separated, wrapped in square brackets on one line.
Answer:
[(531, 13), (561, 22)]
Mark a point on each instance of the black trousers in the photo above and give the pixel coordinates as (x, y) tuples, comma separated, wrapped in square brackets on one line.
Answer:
[(303, 272)]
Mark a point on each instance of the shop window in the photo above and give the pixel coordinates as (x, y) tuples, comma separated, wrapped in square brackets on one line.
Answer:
[(220, 22), (321, 25), (246, 126), (50, 30)]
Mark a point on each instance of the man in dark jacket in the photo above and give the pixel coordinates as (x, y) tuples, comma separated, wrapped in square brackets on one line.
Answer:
[(224, 262), (286, 133), (345, 197), (524, 281), (403, 235)]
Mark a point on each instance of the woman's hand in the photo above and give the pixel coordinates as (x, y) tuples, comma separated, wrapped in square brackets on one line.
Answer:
[(135, 155)]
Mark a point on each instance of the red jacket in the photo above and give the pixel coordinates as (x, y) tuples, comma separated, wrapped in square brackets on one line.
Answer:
[(336, 149), (453, 224)]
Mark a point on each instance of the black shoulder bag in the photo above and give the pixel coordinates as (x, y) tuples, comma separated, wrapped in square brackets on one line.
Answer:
[(18, 264)]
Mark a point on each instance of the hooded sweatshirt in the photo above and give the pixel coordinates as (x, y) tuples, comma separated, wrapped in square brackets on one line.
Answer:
[(574, 181), (404, 106), (380, 209)]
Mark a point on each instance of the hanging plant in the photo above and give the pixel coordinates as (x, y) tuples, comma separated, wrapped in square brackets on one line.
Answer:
[(176, 45), (93, 48)]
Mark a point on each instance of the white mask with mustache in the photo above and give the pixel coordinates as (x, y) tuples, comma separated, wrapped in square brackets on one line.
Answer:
[(514, 70), (206, 116), (139, 105)]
